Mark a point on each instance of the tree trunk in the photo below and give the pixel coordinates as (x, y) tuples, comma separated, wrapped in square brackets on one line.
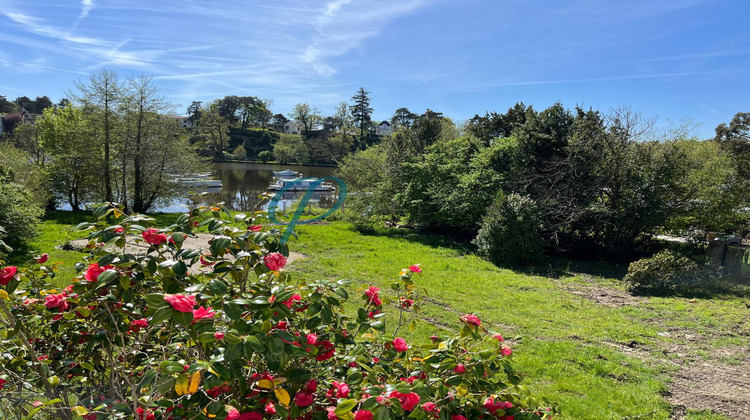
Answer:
[(137, 170), (107, 176)]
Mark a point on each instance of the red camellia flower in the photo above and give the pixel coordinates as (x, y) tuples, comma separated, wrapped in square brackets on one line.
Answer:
[(327, 351), (94, 271), (506, 351), (311, 385), (7, 274), (303, 399), (253, 415), (429, 406), (255, 228), (415, 269), (270, 408), (182, 303), (153, 237), (204, 261), (406, 303), (234, 414), (312, 339), (219, 335), (332, 413), (339, 390), (42, 259), (372, 296), (470, 319), (274, 261), (138, 324), (202, 313), (56, 301), (408, 401), (118, 230), (292, 300), (400, 344), (363, 415), (492, 406), (498, 337), (460, 368), (145, 414), (2, 383)]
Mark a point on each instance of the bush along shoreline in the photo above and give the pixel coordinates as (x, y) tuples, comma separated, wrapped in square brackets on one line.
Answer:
[(173, 333)]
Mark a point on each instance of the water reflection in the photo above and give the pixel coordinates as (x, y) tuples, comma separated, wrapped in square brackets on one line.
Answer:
[(243, 184)]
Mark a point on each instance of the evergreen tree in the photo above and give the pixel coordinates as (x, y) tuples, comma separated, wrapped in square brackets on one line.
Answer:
[(361, 112)]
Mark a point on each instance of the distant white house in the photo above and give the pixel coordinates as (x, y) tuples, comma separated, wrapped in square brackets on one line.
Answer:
[(292, 127), (384, 129), (182, 121)]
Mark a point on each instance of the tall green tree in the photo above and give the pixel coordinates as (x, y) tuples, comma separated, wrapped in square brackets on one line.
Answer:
[(102, 95), (194, 112), (24, 103), (41, 103), (67, 136), (306, 115), (361, 112), (213, 131), (735, 138), (144, 132), (403, 118), (6, 106)]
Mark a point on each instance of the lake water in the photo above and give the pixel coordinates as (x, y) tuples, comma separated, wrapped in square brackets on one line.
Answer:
[(242, 183)]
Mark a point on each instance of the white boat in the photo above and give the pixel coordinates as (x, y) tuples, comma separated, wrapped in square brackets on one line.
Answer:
[(299, 184), (200, 181), (287, 174)]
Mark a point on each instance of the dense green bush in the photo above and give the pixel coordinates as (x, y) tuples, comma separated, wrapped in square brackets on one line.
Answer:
[(228, 333), (264, 156), (668, 272), (19, 214), (239, 153), (509, 232)]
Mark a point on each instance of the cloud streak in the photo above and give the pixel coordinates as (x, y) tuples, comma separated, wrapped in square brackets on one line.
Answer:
[(86, 6), (663, 76)]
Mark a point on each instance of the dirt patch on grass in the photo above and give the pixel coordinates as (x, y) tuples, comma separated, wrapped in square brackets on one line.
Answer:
[(715, 379), (708, 385), (592, 290)]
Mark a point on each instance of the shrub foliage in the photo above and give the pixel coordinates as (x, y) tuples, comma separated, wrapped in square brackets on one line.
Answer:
[(174, 333), (509, 232), (667, 272)]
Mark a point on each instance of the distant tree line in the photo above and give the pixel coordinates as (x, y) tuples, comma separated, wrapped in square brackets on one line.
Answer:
[(108, 141), (568, 180), (245, 127)]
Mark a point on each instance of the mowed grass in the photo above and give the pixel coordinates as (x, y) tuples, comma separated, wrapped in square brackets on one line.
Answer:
[(570, 347), (55, 233), (572, 350)]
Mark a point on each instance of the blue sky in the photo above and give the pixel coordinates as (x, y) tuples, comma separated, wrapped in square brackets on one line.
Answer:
[(675, 59)]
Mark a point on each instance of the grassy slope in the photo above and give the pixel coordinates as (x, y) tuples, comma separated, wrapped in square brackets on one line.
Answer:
[(570, 347)]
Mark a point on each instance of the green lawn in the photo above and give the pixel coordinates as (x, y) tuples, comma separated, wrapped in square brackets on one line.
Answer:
[(574, 350), (597, 361)]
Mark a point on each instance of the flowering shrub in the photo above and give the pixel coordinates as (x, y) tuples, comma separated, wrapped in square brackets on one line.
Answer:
[(174, 333)]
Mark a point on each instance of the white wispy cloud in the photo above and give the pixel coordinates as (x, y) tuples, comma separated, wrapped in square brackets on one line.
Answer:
[(86, 6), (659, 76), (344, 25), (39, 27), (21, 65)]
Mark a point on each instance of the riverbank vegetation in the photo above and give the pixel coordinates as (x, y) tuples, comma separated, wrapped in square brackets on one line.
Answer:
[(578, 181), (110, 142)]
